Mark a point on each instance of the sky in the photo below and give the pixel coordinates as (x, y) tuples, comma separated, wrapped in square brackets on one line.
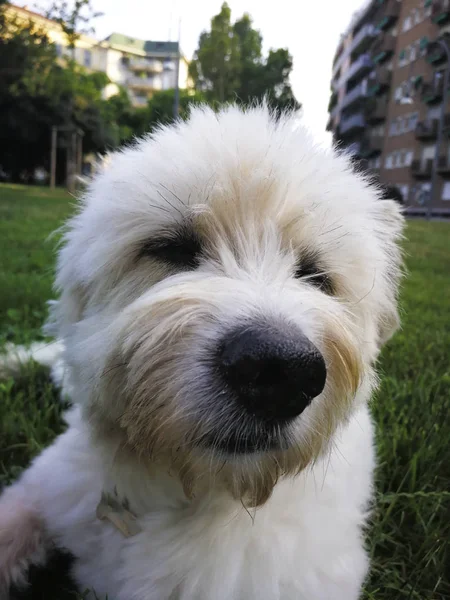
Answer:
[(310, 29)]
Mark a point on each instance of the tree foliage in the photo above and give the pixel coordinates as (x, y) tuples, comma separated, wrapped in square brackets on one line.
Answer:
[(39, 90), (228, 64), (74, 19)]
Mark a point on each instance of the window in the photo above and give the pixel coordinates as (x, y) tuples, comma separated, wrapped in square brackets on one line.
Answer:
[(424, 193), (434, 112), (393, 127), (437, 77), (416, 16), (395, 159), (377, 162), (388, 162), (427, 8), (413, 119), (407, 23), (377, 131), (446, 191), (87, 58), (404, 57), (409, 155), (428, 153), (423, 46), (413, 52), (404, 190), (416, 81)]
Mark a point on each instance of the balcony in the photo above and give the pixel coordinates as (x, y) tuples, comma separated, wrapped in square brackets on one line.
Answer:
[(427, 130), (372, 146), (375, 111), (363, 39), (436, 55), (432, 91), (333, 101), (379, 82), (360, 67), (383, 48), (339, 52), (336, 110), (352, 124), (422, 169), (144, 83), (355, 96), (389, 12), (443, 166), (440, 13), (145, 64), (140, 101)]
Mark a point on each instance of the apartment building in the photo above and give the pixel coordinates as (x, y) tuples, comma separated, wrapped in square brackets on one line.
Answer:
[(141, 66), (144, 67), (388, 96)]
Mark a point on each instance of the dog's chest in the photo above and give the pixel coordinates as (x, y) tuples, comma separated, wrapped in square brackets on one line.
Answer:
[(281, 551)]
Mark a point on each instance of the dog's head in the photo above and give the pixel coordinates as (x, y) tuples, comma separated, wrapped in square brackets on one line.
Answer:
[(225, 289)]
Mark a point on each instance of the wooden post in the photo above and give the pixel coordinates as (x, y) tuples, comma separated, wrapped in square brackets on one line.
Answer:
[(53, 158), (80, 153), (71, 158)]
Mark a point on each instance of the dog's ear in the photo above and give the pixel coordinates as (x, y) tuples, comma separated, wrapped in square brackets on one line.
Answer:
[(389, 224)]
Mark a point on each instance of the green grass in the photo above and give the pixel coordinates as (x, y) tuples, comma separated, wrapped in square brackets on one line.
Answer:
[(28, 216), (409, 536)]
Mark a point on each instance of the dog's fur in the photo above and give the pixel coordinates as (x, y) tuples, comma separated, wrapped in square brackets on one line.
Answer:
[(139, 334)]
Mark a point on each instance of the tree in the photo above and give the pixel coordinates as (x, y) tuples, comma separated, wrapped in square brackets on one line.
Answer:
[(215, 68), (38, 92), (160, 106), (228, 65), (73, 19)]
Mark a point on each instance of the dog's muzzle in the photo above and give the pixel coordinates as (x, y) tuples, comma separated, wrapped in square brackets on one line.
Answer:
[(272, 374)]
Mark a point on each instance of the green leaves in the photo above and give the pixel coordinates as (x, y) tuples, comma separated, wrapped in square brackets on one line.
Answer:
[(229, 66)]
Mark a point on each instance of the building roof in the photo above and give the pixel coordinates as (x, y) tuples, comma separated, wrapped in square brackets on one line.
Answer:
[(32, 13), (147, 46)]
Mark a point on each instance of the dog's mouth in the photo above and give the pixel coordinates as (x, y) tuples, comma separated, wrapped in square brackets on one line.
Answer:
[(261, 439)]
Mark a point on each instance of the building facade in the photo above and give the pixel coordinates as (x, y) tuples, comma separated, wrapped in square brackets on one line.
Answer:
[(141, 67), (387, 96), (144, 67)]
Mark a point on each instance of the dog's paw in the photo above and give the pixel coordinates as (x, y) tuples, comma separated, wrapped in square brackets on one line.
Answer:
[(23, 541)]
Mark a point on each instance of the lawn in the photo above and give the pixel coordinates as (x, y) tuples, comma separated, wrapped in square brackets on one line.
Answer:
[(410, 531)]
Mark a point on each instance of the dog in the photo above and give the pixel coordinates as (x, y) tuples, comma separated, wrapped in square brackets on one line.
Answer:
[(224, 292)]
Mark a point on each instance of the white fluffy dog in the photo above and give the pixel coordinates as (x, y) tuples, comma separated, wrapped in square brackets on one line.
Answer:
[(224, 293)]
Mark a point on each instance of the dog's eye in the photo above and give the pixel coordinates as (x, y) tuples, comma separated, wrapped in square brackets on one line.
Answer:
[(308, 269), (181, 250)]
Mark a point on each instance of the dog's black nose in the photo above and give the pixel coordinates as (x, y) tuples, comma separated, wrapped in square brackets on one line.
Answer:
[(273, 373)]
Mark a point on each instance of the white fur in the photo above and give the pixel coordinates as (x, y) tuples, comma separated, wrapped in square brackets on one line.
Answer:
[(137, 333)]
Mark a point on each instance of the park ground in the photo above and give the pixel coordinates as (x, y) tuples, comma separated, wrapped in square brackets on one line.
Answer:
[(410, 530)]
